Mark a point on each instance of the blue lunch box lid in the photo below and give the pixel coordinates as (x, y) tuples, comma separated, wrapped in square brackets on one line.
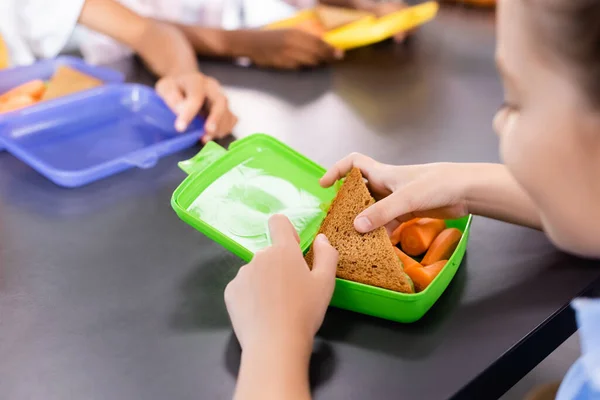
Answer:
[(44, 69), (81, 138)]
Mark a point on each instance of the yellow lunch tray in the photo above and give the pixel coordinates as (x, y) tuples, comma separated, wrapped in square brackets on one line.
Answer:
[(368, 30)]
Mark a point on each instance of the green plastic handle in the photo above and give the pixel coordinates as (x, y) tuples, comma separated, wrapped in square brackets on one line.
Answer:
[(210, 153)]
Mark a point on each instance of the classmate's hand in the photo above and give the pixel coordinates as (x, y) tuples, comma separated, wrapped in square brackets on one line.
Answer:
[(187, 94), (276, 299), (385, 8), (405, 192), (289, 49)]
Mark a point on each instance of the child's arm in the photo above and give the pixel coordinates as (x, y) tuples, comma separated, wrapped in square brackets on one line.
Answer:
[(276, 305), (161, 46), (284, 49), (437, 190), (275, 371), (492, 191), (168, 54)]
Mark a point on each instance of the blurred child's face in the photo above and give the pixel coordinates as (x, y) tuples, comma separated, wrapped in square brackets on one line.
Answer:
[(549, 134)]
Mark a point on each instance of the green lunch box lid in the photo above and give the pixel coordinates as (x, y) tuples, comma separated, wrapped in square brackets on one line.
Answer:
[(230, 194)]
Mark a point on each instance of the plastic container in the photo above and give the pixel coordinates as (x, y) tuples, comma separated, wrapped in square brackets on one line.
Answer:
[(369, 30), (15, 76), (12, 77), (230, 194), (93, 134)]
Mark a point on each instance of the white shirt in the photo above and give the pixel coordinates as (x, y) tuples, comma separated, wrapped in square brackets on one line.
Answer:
[(35, 29), (226, 14)]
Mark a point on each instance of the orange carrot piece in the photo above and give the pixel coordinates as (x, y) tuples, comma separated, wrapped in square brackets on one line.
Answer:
[(417, 237), (407, 261), (16, 103), (420, 277), (397, 234), (4, 56), (443, 246), (34, 89), (436, 267), (423, 276)]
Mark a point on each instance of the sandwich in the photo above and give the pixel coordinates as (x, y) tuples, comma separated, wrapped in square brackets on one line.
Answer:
[(66, 81), (366, 258)]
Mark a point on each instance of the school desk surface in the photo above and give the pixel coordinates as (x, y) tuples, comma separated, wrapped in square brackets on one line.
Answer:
[(106, 294)]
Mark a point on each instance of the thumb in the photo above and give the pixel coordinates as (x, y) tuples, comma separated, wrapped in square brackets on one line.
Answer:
[(187, 110), (193, 88), (395, 206), (325, 262)]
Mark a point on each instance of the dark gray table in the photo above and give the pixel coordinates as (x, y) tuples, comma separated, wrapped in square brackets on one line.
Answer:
[(105, 294)]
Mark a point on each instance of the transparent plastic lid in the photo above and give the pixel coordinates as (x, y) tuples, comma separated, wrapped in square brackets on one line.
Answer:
[(230, 195)]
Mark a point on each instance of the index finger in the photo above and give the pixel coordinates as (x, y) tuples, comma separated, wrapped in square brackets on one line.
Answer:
[(342, 167), (282, 231)]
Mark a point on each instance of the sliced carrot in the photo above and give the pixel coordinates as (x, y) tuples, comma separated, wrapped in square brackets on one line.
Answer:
[(417, 238), (407, 261), (16, 103), (443, 246), (397, 234), (4, 56), (34, 89), (436, 267), (420, 277), (423, 276)]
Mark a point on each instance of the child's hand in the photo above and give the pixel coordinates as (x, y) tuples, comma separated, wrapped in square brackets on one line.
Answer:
[(276, 299), (289, 49), (405, 192), (187, 94)]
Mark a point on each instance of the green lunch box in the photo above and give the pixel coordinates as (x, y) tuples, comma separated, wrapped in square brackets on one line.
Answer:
[(230, 194)]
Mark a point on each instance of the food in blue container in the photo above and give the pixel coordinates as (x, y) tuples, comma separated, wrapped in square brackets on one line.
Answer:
[(65, 81)]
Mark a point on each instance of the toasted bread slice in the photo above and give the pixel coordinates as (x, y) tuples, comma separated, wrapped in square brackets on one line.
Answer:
[(66, 81), (366, 258), (335, 17)]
